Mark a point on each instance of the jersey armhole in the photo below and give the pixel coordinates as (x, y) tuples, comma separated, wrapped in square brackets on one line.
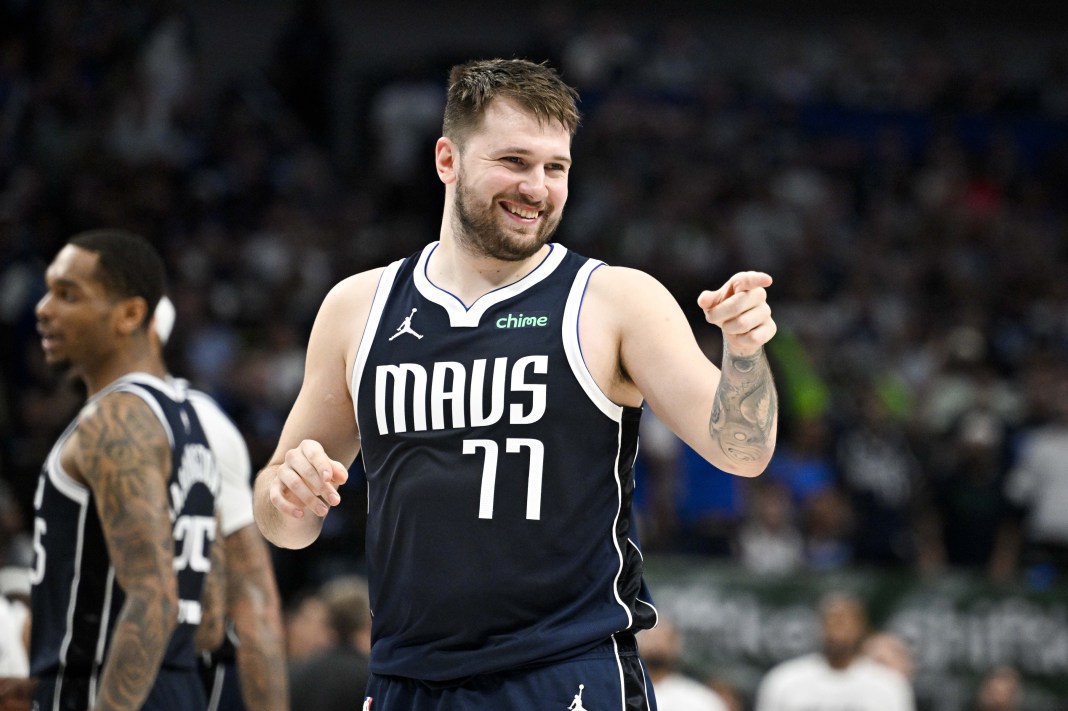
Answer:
[(573, 347), (374, 318)]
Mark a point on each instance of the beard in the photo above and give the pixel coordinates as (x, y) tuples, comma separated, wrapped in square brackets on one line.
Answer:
[(479, 231)]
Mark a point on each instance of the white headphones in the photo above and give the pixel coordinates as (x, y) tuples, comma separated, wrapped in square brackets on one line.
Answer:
[(163, 319)]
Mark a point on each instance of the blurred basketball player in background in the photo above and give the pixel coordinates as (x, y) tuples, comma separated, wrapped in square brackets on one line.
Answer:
[(125, 505)]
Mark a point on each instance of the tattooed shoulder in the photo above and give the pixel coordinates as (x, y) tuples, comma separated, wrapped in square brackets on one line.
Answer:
[(122, 452)]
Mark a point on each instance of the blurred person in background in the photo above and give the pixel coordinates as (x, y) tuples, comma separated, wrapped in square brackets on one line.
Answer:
[(249, 670), (335, 679), (16, 686), (769, 540), (1035, 536), (827, 527), (839, 675), (730, 693), (661, 650), (1000, 689), (893, 651), (968, 489), (308, 628), (804, 460), (883, 479)]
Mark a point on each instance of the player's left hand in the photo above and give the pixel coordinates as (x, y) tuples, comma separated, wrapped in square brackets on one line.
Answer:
[(740, 308)]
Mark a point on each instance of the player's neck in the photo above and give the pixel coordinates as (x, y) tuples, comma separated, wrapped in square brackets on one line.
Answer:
[(469, 276), (122, 363)]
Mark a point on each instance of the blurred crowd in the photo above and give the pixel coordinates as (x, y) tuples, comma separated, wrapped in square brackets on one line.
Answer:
[(906, 185)]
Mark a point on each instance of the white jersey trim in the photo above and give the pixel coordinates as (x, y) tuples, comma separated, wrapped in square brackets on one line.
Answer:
[(462, 316), (102, 640), (573, 346), (621, 559), (619, 670), (63, 481), (132, 385), (72, 603), (370, 329)]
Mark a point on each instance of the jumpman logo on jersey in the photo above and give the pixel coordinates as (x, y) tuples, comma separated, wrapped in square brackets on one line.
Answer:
[(406, 327), (576, 705)]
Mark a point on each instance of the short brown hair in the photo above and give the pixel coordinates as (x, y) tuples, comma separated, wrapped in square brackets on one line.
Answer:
[(536, 87)]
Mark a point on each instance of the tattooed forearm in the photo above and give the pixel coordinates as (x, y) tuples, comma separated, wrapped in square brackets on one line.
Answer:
[(256, 611), (212, 627), (137, 648), (123, 454), (745, 410)]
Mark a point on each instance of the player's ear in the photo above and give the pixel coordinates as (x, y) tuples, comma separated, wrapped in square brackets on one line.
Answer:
[(446, 159), (130, 314)]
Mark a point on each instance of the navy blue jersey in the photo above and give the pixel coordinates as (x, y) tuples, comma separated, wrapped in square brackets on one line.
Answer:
[(76, 598), (499, 477)]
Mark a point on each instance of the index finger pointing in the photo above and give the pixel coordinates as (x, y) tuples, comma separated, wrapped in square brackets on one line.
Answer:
[(745, 281), (742, 281)]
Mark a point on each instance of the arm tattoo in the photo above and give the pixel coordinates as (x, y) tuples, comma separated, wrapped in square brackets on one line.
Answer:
[(253, 602), (123, 453), (745, 410)]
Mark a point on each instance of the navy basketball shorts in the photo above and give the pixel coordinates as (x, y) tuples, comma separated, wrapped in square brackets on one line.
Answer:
[(174, 690), (609, 677)]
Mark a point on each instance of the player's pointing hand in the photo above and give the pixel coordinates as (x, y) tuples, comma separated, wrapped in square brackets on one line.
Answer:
[(307, 480), (740, 308)]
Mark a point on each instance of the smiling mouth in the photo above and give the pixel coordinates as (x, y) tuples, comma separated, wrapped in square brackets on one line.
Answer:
[(527, 213)]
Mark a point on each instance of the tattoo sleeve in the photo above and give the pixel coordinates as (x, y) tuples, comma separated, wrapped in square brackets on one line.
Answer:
[(123, 454), (745, 409), (253, 601)]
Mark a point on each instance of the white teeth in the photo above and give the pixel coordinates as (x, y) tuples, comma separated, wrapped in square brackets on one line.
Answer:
[(529, 214)]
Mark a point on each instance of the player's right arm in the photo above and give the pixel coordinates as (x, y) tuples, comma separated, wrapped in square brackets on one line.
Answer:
[(121, 451), (320, 438), (212, 628), (252, 599)]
